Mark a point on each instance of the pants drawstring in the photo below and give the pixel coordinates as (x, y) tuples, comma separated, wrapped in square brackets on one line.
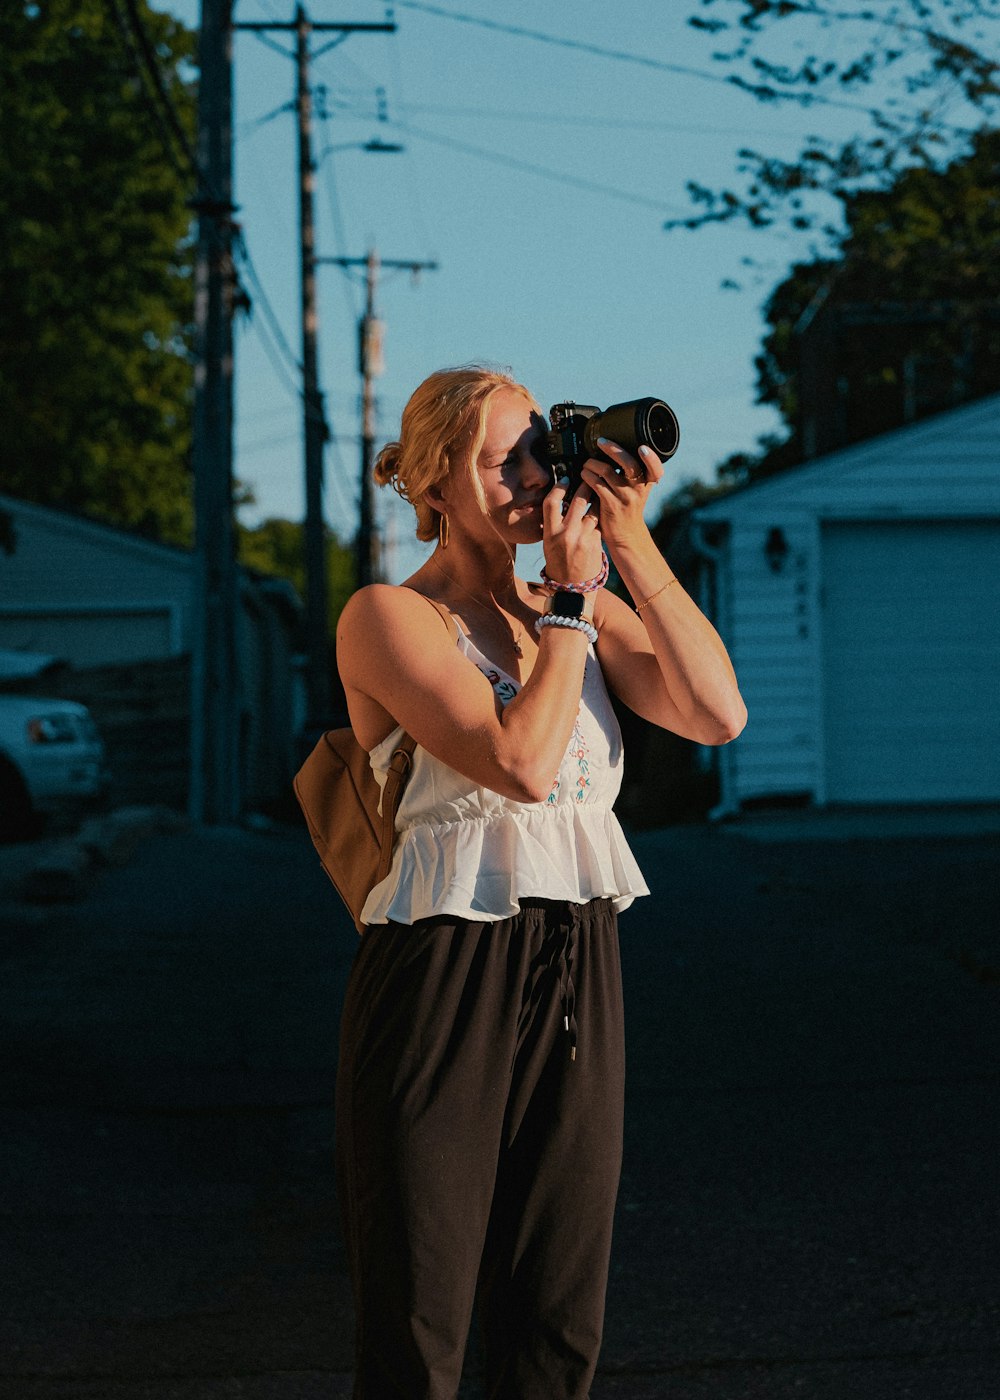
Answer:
[(567, 989)]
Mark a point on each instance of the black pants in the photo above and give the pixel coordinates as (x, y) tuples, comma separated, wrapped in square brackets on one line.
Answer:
[(479, 1134)]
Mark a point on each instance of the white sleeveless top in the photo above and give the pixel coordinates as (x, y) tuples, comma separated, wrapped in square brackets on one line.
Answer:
[(467, 851)]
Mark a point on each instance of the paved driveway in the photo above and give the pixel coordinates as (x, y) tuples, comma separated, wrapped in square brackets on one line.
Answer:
[(809, 1205)]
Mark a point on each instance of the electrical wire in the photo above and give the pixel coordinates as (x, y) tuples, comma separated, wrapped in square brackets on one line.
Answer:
[(803, 99), (621, 55), (270, 43), (152, 68), (243, 253), (337, 217), (150, 89), (609, 123), (277, 362), (253, 124), (417, 213), (546, 172)]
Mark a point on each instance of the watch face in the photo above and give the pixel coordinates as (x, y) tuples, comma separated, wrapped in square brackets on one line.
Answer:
[(567, 604)]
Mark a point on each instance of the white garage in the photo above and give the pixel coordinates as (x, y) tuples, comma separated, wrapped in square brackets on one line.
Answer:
[(858, 595)]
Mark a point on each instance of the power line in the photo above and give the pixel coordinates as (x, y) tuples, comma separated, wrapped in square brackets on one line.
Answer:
[(247, 128), (277, 362), (336, 213), (803, 99), (546, 172), (417, 214), (149, 88), (243, 252), (611, 123), (270, 43), (155, 73), (621, 55)]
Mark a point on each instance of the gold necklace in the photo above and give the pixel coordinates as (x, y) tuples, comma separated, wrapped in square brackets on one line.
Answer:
[(455, 584)]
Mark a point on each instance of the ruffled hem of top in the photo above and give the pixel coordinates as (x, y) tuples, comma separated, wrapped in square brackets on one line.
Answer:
[(481, 867)]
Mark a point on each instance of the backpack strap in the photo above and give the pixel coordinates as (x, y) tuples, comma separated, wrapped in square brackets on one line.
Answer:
[(396, 778), (400, 764)]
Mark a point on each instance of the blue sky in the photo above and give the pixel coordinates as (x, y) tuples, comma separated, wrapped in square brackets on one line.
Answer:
[(538, 177)]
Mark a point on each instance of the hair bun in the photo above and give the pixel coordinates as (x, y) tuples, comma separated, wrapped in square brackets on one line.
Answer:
[(387, 463)]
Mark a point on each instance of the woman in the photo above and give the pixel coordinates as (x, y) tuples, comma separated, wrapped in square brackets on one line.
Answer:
[(481, 1073)]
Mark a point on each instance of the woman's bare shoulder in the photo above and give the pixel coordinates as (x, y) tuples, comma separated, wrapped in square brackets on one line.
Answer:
[(384, 620), (385, 604)]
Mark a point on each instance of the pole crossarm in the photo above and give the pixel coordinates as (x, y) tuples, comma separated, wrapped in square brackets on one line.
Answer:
[(383, 262), (362, 28)]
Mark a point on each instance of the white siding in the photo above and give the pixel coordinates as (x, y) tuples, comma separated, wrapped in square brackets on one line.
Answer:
[(89, 593), (945, 470), (773, 648), (98, 635)]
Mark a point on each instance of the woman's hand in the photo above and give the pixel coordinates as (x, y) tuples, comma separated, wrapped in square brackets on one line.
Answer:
[(572, 541), (622, 491)]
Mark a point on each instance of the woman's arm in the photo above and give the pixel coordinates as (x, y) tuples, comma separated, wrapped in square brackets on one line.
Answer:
[(668, 663), (393, 650)]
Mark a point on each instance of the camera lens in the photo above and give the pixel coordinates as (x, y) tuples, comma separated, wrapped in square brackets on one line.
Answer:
[(660, 429)]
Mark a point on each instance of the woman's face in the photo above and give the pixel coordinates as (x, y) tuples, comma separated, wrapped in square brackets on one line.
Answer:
[(514, 475)]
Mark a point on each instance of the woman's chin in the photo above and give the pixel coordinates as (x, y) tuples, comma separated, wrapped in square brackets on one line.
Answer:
[(527, 525)]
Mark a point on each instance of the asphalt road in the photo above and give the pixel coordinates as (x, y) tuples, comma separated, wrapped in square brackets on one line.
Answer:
[(809, 1206)]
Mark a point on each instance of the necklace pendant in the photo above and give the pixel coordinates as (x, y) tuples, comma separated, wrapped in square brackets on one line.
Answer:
[(517, 648)]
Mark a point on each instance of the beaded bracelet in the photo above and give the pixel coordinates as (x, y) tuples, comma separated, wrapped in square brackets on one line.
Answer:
[(590, 585), (578, 624)]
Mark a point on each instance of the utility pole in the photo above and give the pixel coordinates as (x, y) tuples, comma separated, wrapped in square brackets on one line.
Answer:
[(371, 364), (215, 795), (315, 431), (370, 345), (314, 428)]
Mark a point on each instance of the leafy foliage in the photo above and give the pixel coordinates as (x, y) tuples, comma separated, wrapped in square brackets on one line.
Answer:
[(277, 547), (920, 76), (914, 300), (95, 269)]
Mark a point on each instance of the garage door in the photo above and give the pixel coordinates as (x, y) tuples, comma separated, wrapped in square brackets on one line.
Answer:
[(911, 658)]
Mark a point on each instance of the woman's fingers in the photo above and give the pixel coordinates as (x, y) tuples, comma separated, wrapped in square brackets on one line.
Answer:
[(579, 502), (652, 465), (623, 470), (552, 506)]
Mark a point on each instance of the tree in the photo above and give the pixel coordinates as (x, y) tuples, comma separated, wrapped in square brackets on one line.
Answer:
[(911, 304), (276, 547), (919, 77), (95, 266)]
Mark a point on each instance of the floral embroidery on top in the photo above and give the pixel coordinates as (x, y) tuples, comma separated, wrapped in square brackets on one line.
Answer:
[(580, 750), (505, 689)]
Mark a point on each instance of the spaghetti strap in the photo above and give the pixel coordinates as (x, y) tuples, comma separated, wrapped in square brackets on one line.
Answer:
[(443, 612)]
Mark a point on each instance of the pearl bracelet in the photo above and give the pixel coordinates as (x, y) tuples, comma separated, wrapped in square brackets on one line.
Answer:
[(578, 624)]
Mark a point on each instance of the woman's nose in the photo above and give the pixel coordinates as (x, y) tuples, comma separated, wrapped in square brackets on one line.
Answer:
[(535, 470)]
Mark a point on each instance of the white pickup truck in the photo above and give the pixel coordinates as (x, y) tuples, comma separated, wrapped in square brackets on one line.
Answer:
[(50, 755)]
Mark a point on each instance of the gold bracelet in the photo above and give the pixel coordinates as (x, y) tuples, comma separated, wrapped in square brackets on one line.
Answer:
[(639, 606)]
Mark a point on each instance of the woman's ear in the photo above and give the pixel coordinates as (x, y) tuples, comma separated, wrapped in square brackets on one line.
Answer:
[(434, 497)]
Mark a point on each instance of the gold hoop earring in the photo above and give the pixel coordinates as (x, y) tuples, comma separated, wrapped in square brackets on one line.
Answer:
[(444, 530)]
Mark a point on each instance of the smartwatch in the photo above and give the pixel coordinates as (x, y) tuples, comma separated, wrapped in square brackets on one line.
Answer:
[(566, 604)]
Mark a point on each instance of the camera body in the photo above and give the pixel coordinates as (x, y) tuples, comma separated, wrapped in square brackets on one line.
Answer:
[(577, 426)]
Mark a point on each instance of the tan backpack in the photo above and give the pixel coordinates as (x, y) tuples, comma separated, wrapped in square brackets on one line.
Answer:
[(339, 796)]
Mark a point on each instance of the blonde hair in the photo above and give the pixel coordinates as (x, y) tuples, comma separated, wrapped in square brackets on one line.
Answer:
[(443, 428)]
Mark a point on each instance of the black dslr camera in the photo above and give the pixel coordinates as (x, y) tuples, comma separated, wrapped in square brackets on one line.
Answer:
[(577, 426)]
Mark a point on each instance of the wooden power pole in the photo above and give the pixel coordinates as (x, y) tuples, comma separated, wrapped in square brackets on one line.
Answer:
[(370, 366), (315, 432), (314, 429), (215, 795)]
